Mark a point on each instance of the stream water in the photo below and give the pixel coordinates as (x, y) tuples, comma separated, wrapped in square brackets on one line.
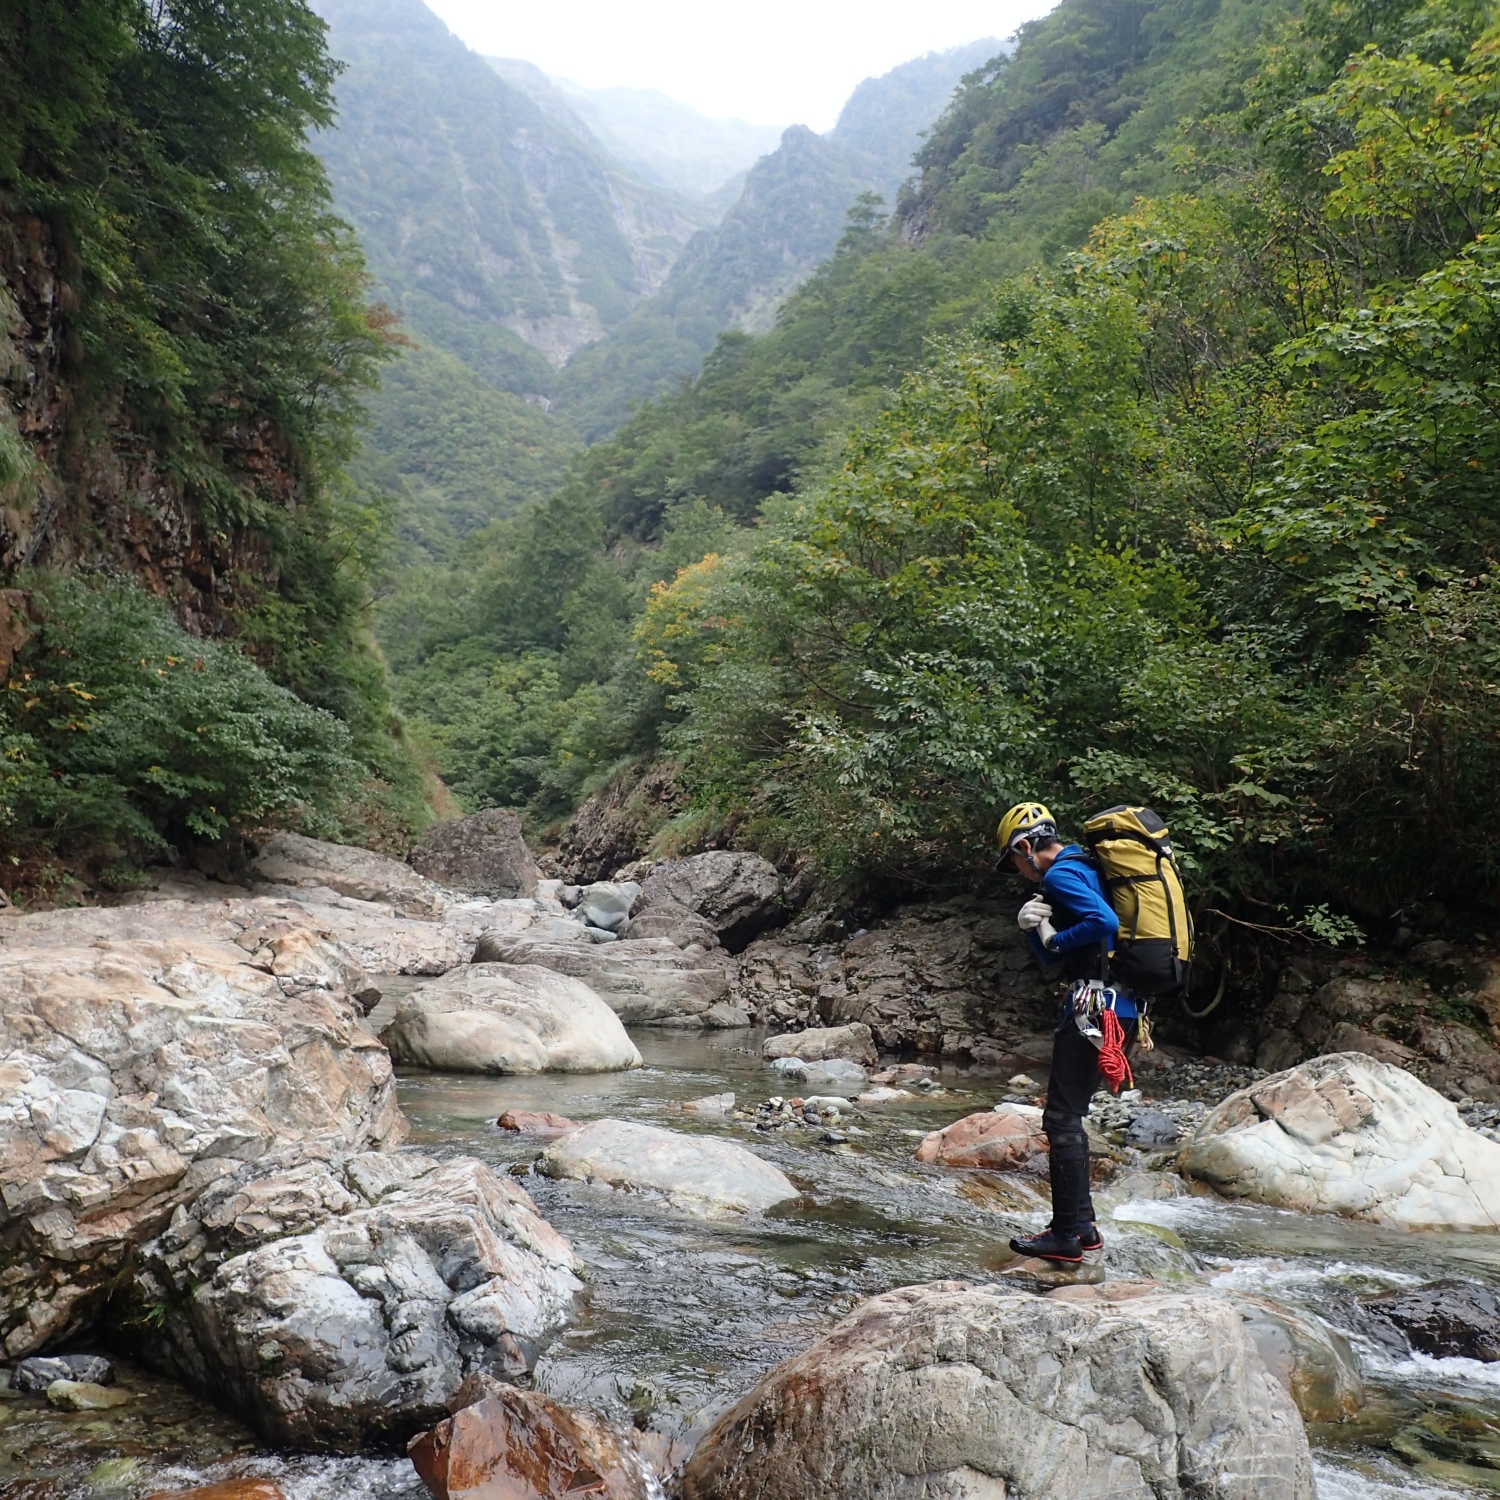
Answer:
[(683, 1315)]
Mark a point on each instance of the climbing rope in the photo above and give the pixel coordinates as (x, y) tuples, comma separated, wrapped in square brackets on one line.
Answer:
[(1112, 1060)]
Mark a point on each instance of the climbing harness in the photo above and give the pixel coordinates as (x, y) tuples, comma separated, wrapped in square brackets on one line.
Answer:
[(1091, 1003)]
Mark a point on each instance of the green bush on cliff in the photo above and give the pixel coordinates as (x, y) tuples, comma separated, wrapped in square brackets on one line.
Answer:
[(124, 735)]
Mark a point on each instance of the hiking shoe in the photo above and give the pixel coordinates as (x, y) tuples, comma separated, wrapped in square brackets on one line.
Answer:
[(1049, 1245), (1089, 1238)]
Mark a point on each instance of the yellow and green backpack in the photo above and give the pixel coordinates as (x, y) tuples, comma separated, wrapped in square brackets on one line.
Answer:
[(1133, 852)]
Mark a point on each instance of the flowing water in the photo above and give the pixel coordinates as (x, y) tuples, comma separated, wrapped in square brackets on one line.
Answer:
[(682, 1315)]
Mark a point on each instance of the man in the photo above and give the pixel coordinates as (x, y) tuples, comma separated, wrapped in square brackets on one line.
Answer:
[(1070, 926)]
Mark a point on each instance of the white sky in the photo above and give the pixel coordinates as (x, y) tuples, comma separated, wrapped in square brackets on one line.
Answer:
[(772, 62)]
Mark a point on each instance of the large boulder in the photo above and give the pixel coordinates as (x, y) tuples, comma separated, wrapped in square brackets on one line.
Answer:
[(523, 1445), (508, 1018), (340, 1302), (969, 1391), (650, 982), (701, 1174), (1351, 1135), (135, 1072), (1006, 1139), (290, 860), (606, 904), (853, 1043), (737, 895), (1315, 1363), (485, 855)]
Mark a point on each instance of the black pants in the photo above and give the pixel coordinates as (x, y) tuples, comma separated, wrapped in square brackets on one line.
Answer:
[(1074, 1081)]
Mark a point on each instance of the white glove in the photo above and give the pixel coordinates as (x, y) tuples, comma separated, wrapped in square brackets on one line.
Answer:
[(1047, 932), (1033, 914)]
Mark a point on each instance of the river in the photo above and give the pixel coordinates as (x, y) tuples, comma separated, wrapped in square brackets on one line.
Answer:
[(683, 1315)]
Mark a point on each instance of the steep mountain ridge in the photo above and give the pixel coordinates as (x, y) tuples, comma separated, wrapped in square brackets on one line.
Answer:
[(788, 219)]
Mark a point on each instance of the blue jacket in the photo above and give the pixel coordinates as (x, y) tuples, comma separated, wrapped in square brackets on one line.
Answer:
[(1082, 917)]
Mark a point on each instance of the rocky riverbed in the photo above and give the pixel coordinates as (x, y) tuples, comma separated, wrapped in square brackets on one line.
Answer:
[(698, 1273)]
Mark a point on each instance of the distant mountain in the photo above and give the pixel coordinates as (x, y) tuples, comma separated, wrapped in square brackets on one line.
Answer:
[(478, 207), (788, 219), (659, 139)]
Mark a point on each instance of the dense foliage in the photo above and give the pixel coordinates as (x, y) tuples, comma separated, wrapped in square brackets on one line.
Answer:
[(216, 320), (124, 736), (1201, 513)]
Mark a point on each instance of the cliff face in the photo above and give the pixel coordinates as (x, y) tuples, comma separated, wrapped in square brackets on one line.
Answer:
[(87, 489)]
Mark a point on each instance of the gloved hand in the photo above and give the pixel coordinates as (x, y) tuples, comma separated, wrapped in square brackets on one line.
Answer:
[(1033, 914), (1047, 932)]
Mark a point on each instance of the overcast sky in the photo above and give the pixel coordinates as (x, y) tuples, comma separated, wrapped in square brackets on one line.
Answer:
[(772, 62)]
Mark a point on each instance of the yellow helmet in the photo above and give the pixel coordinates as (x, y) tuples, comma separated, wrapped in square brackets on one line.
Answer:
[(1025, 820)]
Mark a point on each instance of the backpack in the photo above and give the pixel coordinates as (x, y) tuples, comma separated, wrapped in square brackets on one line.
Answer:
[(1133, 851)]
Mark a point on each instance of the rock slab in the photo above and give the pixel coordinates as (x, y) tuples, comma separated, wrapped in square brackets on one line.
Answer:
[(1349, 1134), (979, 1393), (484, 855), (853, 1043), (508, 1018), (650, 982), (522, 1445), (700, 1174), (1445, 1319), (290, 859), (1008, 1139)]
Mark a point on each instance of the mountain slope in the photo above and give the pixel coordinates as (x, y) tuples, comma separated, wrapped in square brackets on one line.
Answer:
[(469, 196), (788, 219)]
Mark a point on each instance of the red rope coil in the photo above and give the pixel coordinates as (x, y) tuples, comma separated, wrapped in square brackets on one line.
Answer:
[(1112, 1060)]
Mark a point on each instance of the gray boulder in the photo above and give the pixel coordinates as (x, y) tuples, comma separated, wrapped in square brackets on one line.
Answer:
[(853, 1043), (508, 1018), (34, 1375), (606, 904), (835, 1075), (650, 982), (738, 895), (338, 1303), (1445, 1319), (979, 1392), (700, 1174), (484, 855), (290, 860)]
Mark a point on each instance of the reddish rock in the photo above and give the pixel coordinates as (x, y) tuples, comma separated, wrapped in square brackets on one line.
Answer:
[(539, 1122), (226, 1489), (1003, 1140), (519, 1445)]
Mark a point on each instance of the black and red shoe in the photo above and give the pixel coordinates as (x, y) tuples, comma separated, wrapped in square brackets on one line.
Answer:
[(1089, 1238), (1065, 1249)]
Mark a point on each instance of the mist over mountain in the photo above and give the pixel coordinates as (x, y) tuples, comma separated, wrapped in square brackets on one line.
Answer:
[(788, 219), (658, 138)]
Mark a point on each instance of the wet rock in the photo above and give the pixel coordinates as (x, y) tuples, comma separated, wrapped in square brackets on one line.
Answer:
[(1007, 1138), (903, 1073), (1347, 1134), (290, 860), (835, 1075), (959, 1390), (84, 1395), (485, 855), (522, 1445), (711, 1104), (134, 1072), (738, 895), (1313, 1361), (226, 1489), (1151, 1127), (34, 1375), (699, 1174), (508, 1018), (853, 1043), (1037, 1275), (536, 1122), (606, 904), (1445, 1319), (650, 982), (883, 1095), (355, 1331)]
